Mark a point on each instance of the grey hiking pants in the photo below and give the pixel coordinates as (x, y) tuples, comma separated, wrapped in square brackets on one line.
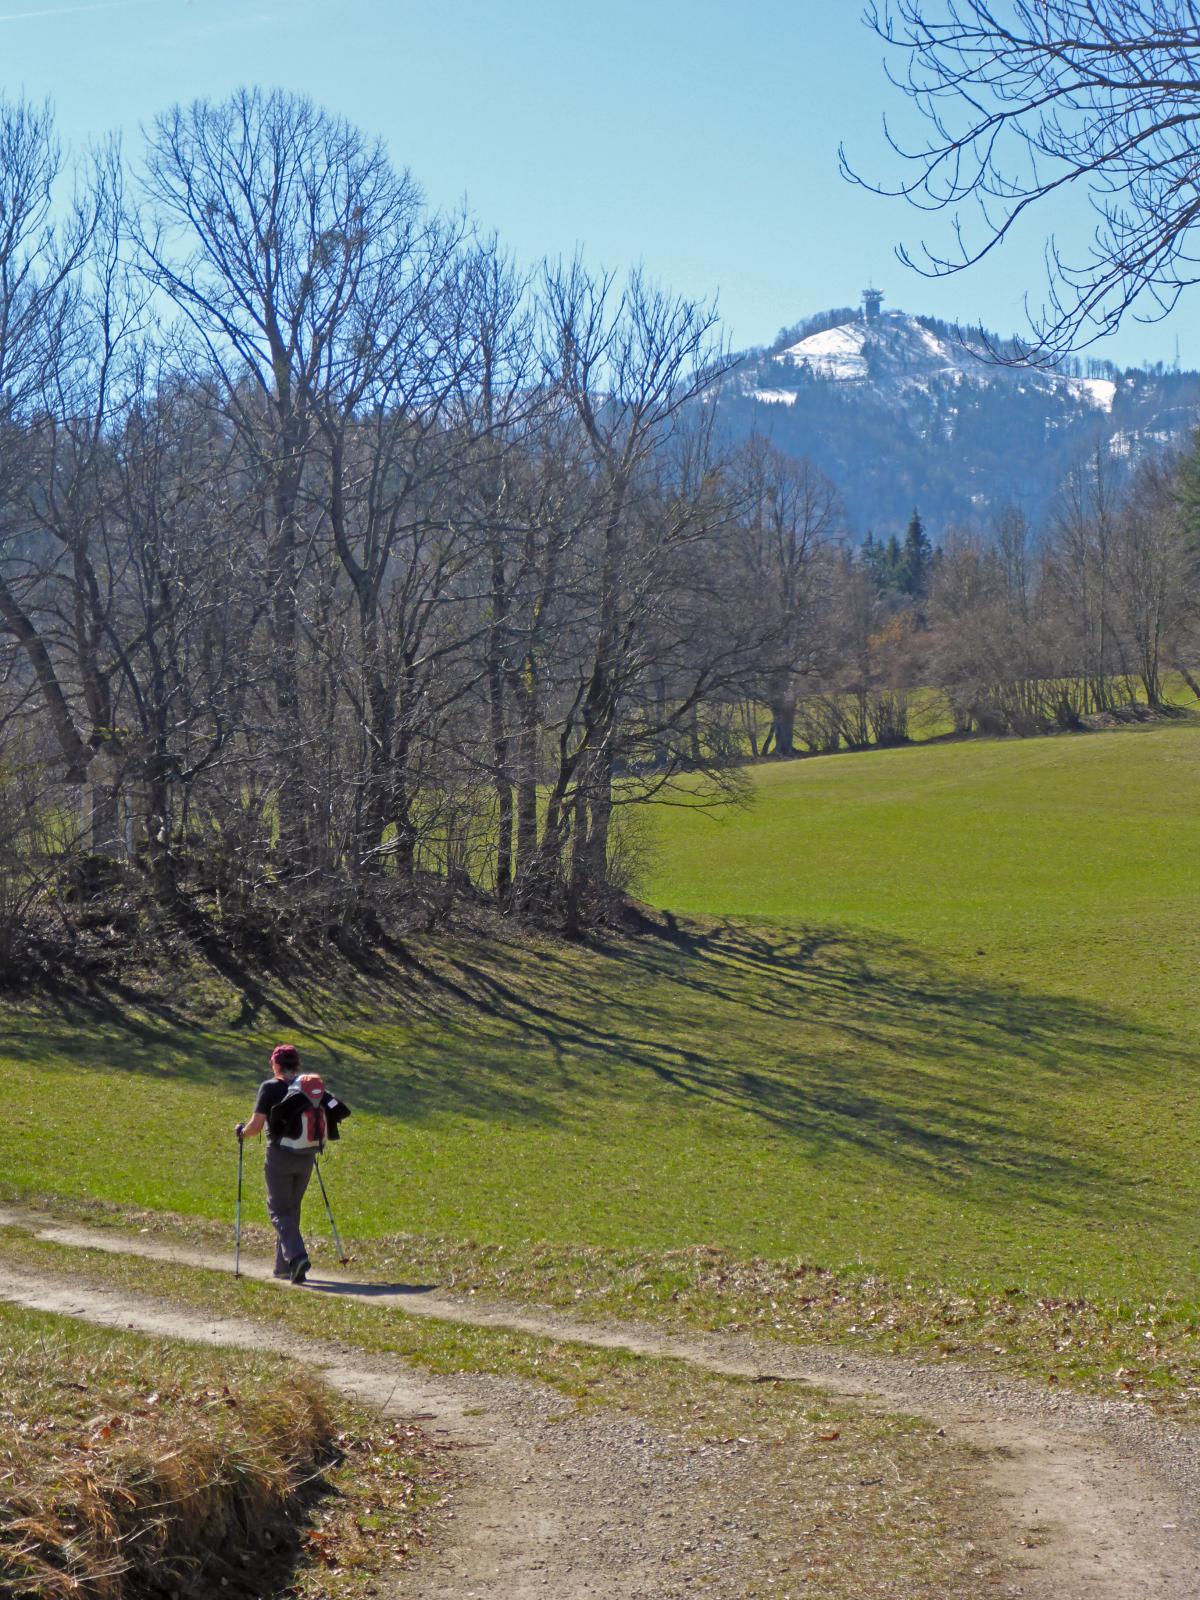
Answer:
[(287, 1173)]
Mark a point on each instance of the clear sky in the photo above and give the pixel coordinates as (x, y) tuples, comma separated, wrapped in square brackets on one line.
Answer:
[(698, 137)]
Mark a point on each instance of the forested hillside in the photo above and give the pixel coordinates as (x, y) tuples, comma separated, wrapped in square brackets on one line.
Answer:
[(905, 410)]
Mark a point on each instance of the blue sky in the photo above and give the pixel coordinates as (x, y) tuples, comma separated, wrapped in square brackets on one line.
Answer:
[(698, 137)]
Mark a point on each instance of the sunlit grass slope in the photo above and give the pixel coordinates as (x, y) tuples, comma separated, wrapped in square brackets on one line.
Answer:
[(948, 1035), (1070, 864)]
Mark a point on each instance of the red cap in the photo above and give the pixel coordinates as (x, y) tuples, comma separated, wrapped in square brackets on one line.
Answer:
[(286, 1058)]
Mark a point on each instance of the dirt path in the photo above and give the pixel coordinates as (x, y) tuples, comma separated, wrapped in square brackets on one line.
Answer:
[(552, 1505), (1100, 1497)]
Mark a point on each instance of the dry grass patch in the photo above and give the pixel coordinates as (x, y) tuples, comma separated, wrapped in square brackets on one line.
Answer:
[(1130, 1350), (131, 1466)]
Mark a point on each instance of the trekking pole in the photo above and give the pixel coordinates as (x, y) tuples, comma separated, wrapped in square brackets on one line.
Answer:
[(337, 1238), (237, 1225)]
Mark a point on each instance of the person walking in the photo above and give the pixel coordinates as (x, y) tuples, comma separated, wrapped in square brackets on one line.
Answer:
[(298, 1114)]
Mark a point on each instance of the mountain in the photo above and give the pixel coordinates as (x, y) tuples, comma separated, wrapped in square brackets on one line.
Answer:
[(903, 411)]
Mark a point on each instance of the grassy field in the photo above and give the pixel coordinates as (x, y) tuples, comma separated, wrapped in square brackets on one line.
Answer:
[(1066, 864), (925, 1013)]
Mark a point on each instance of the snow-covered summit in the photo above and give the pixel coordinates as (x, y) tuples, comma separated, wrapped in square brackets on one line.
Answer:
[(900, 411), (892, 351)]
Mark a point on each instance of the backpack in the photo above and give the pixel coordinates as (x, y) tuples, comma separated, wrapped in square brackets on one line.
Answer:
[(298, 1122)]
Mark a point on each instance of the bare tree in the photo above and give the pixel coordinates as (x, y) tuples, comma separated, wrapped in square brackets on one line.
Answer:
[(1030, 98), (1000, 666), (1152, 574), (282, 234), (39, 256), (497, 406), (627, 363), (1082, 582), (787, 513), (546, 504), (58, 338)]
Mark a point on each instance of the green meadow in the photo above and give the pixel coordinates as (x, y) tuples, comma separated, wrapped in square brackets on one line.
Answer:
[(1067, 864), (927, 1013)]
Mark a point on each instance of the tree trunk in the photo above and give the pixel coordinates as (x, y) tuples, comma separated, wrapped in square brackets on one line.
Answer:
[(783, 727), (1187, 677), (527, 776), (501, 782), (102, 834), (578, 883), (285, 670), (377, 801)]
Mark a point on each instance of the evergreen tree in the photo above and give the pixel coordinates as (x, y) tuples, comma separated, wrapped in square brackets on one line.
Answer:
[(893, 563), (885, 563), (916, 560)]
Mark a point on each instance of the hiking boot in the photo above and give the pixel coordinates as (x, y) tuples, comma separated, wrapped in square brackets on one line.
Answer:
[(299, 1269)]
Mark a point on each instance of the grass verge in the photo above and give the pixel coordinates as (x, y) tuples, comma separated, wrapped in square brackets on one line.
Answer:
[(1145, 1351), (855, 1503), (1136, 1350), (134, 1466)]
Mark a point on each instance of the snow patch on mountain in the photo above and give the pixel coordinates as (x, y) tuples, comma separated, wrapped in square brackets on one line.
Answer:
[(837, 353), (1102, 390), (901, 411), (895, 352)]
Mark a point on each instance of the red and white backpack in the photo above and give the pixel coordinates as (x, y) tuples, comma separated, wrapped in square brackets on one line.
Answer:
[(298, 1121)]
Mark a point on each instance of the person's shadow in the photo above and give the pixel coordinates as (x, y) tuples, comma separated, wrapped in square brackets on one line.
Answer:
[(336, 1286)]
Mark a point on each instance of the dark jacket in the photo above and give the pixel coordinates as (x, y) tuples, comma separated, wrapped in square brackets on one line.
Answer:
[(294, 1122)]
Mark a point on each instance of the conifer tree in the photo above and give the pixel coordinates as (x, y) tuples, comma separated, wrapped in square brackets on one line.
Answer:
[(892, 564), (916, 559)]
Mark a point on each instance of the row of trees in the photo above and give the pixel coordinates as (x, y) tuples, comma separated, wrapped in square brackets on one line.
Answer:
[(342, 567), (1010, 632), (1087, 624)]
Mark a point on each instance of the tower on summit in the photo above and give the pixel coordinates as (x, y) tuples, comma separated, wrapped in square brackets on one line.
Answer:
[(872, 300)]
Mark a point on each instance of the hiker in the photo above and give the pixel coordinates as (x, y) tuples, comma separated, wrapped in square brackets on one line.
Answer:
[(298, 1114)]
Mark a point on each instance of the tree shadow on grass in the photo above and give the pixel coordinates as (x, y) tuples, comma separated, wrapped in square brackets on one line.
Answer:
[(837, 1042), (826, 1042)]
